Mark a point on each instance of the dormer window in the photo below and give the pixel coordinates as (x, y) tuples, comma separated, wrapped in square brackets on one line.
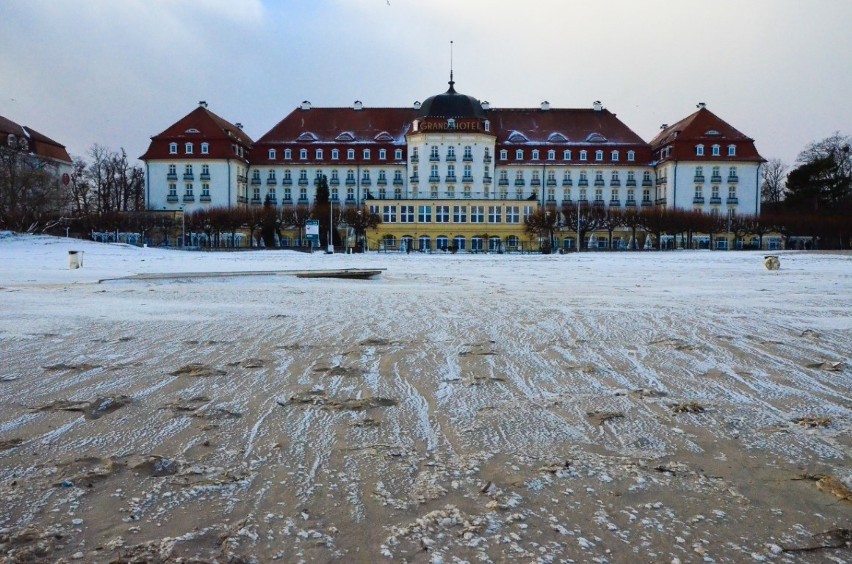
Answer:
[(614, 156), (303, 154), (205, 148), (551, 155), (631, 156), (335, 154), (732, 150), (716, 150), (566, 155), (699, 150), (504, 154), (598, 155), (535, 154), (272, 154), (350, 154), (188, 148), (173, 148), (584, 155), (319, 154), (519, 155), (397, 154), (383, 154), (366, 154), (288, 154)]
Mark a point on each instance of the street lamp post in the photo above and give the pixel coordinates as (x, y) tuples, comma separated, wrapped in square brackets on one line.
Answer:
[(579, 242)]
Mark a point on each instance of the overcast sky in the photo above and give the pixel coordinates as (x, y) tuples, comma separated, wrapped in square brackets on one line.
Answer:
[(116, 72)]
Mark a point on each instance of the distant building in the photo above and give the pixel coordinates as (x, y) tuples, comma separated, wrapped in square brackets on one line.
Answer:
[(454, 170)]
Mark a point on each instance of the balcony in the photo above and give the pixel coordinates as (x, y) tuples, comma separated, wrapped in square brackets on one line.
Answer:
[(630, 203), (415, 159), (272, 200), (302, 182), (615, 203), (172, 198), (551, 182), (503, 182), (204, 198), (286, 200), (303, 200), (646, 182), (451, 178), (732, 201), (205, 176), (434, 159), (366, 182), (434, 178), (189, 176), (486, 159), (270, 182), (661, 181), (697, 200), (582, 201), (382, 182), (188, 198), (698, 179), (519, 182), (733, 179), (414, 178), (598, 202), (287, 181), (467, 178), (350, 181), (647, 203), (242, 200), (583, 182), (242, 178), (631, 182), (716, 179), (487, 180), (397, 181), (334, 181), (535, 182), (615, 182), (451, 158), (255, 181), (256, 201), (467, 158), (171, 176), (716, 201), (599, 182)]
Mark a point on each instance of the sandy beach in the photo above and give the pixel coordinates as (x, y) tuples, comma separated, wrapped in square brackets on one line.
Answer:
[(604, 407)]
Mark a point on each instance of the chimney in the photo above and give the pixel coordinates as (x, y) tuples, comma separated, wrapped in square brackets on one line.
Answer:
[(358, 105), (305, 105), (239, 125), (486, 105), (597, 105), (545, 106), (416, 104), (701, 105), (202, 103)]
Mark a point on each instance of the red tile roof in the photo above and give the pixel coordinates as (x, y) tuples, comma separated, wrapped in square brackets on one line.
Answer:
[(703, 127), (218, 132), (327, 123), (575, 124), (39, 144)]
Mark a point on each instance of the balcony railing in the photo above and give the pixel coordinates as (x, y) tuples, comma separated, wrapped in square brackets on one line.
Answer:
[(646, 182), (646, 203), (467, 158), (733, 179), (451, 178), (583, 182), (503, 182), (598, 202), (205, 176), (382, 182), (434, 158), (487, 180), (171, 198), (350, 182), (567, 182), (242, 178), (698, 179), (630, 203), (334, 182), (286, 200), (732, 201), (697, 200), (171, 176), (467, 178), (630, 182), (188, 198), (535, 182), (415, 159), (256, 201), (365, 182), (414, 178), (599, 181), (551, 182), (486, 159), (661, 181), (519, 182), (287, 181), (434, 178), (242, 200), (615, 203), (204, 198), (189, 176), (272, 200), (715, 179), (302, 182), (270, 182), (397, 181), (716, 201), (451, 158), (660, 201), (615, 182)]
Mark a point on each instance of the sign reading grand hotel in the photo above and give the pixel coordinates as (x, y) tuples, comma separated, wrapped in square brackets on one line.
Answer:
[(451, 125)]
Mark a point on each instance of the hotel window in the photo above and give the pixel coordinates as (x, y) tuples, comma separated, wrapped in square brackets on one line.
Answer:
[(406, 214), (188, 148), (584, 155), (732, 150), (272, 154), (699, 150), (433, 156), (414, 154), (319, 154), (519, 155), (366, 154), (535, 154), (477, 214), (699, 192), (717, 175), (566, 155), (614, 197), (528, 211), (303, 154), (631, 193), (714, 192), (487, 153), (495, 214), (350, 154), (512, 214), (187, 170), (504, 154), (424, 214), (504, 176), (582, 194), (459, 214), (303, 175), (173, 148), (288, 154), (389, 214), (397, 154), (442, 214), (732, 172), (716, 151), (614, 178), (598, 155), (551, 155), (205, 189), (614, 156), (350, 194), (173, 190), (451, 153), (383, 154), (732, 192), (287, 194), (433, 173), (172, 170), (487, 125), (365, 177), (451, 123), (205, 148), (468, 153), (631, 156), (598, 194), (519, 176), (335, 154), (334, 193), (188, 189), (468, 173)]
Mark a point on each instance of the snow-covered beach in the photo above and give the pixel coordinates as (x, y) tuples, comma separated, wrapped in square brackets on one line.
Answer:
[(611, 406)]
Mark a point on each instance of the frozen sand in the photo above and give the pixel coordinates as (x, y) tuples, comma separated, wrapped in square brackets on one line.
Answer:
[(438, 412)]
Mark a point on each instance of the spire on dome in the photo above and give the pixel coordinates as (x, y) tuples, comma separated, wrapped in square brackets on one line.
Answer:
[(452, 90)]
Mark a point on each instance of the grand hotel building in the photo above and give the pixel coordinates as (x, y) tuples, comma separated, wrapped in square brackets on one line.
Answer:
[(454, 170)]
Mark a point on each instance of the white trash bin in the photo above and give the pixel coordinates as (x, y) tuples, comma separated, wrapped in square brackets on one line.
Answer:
[(75, 259)]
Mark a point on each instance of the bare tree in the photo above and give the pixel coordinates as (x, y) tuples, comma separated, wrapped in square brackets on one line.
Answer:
[(30, 194), (772, 183), (116, 185)]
